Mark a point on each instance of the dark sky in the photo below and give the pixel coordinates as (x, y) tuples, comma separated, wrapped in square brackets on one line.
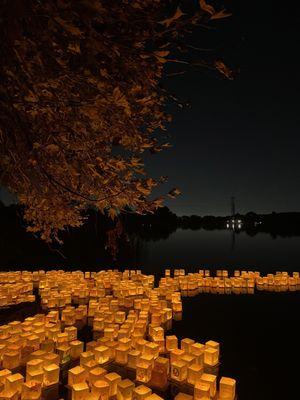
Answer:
[(240, 138)]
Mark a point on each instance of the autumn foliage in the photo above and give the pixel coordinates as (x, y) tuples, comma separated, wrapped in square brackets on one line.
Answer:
[(82, 101)]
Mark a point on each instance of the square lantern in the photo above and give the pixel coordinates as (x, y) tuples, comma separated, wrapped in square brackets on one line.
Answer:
[(112, 379), (214, 345), (31, 391), (202, 391), (71, 332), (51, 358), (51, 374), (14, 382), (133, 356), (141, 392), (124, 389), (4, 373), (80, 391), (197, 350), (179, 371), (171, 342), (227, 388), (11, 360), (186, 344), (76, 375), (100, 389), (194, 373), (96, 374), (176, 355), (211, 356), (212, 381), (143, 371), (76, 348), (64, 353), (86, 356), (121, 355)]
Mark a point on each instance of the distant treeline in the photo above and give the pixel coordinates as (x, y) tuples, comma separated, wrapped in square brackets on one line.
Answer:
[(164, 222), (19, 246)]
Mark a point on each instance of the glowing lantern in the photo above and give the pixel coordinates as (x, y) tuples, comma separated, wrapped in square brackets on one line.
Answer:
[(76, 375), (100, 389), (51, 374), (179, 371), (96, 374), (64, 353), (212, 381), (171, 342), (124, 389), (143, 371), (112, 379), (133, 356), (159, 376), (4, 373), (197, 350), (86, 356), (211, 356), (227, 388), (76, 348), (80, 391), (51, 358), (214, 345), (202, 391), (14, 382), (31, 391), (186, 344), (11, 360), (176, 355), (194, 373)]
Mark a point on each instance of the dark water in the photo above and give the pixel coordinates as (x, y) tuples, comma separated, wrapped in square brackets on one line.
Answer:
[(222, 248), (259, 334)]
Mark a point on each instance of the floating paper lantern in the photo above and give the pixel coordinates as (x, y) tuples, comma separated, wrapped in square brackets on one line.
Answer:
[(31, 391), (202, 391), (227, 388), (212, 381), (112, 379), (51, 374), (100, 389), (194, 373), (76, 375), (211, 356), (80, 391), (96, 374), (124, 389), (178, 371), (14, 382), (76, 348), (171, 342)]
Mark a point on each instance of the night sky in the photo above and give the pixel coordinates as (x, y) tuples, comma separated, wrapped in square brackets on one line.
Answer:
[(240, 138)]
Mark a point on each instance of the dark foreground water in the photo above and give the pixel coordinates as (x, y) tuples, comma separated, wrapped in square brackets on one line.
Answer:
[(259, 334)]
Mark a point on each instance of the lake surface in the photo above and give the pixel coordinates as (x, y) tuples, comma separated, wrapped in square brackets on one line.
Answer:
[(259, 334), (218, 249)]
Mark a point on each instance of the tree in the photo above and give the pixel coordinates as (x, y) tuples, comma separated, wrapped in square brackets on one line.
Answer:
[(82, 102)]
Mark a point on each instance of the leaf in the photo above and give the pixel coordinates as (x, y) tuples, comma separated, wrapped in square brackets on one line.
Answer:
[(178, 14), (68, 26), (74, 48), (223, 69), (174, 193), (206, 7), (221, 14)]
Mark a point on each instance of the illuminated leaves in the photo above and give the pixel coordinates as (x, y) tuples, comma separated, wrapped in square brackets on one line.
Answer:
[(178, 14)]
